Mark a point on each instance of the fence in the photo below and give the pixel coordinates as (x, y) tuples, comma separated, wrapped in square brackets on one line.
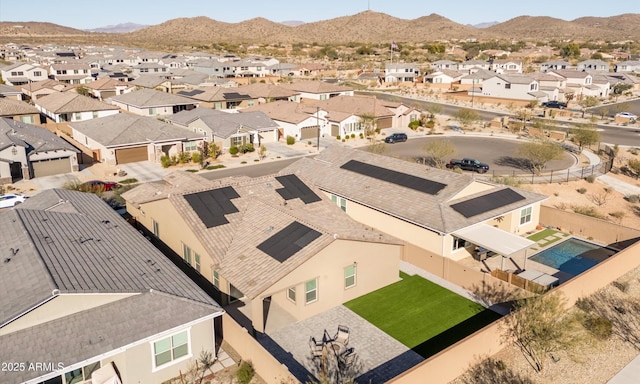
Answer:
[(557, 176)]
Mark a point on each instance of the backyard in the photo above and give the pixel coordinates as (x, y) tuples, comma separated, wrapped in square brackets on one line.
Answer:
[(425, 317)]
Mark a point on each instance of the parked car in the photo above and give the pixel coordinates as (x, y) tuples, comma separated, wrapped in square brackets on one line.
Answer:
[(554, 104), (627, 115), (395, 138), (468, 165), (98, 186), (11, 200)]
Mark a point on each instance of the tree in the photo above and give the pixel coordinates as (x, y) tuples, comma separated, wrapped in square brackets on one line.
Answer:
[(466, 116), (214, 150), (82, 90), (433, 110), (570, 50), (438, 150), (585, 135), (620, 88), (368, 122), (538, 327), (588, 102), (262, 152), (539, 153)]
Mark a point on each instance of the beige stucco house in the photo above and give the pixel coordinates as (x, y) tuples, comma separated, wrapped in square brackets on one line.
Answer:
[(441, 212), (270, 244), (85, 295)]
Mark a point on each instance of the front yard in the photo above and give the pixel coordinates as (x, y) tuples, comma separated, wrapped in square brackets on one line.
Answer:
[(422, 315)]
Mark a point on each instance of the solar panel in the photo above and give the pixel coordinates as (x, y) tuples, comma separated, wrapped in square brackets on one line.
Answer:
[(294, 187), (191, 93), (288, 241), (402, 179), (488, 202), (211, 206)]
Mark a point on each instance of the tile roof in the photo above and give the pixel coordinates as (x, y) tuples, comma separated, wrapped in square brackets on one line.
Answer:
[(429, 211), (146, 98), (126, 128), (35, 139), (211, 94), (224, 124), (267, 91), (47, 84), (73, 242), (355, 105), (262, 212), (13, 107), (70, 102), (315, 87), (282, 110), (106, 83)]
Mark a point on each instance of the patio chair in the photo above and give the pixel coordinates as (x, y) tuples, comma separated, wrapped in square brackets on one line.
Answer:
[(342, 336), (316, 347), (346, 359)]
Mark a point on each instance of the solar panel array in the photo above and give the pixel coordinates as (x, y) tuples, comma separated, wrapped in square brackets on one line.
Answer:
[(288, 241), (211, 206), (488, 202), (402, 179), (293, 188), (192, 92)]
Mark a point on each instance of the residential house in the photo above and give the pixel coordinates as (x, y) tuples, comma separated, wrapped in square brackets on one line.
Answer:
[(474, 80), (219, 97), (554, 86), (249, 68), (19, 110), (282, 69), (71, 73), (300, 121), (9, 92), (359, 106), (623, 66), (592, 65), (147, 102), (444, 64), (471, 66), (85, 295), (150, 68), (443, 76), (107, 87), (401, 72), (160, 83), (42, 88), (437, 212), (403, 114), (228, 129), (552, 65), (512, 86), (581, 83), (28, 151), (318, 90), (274, 246), (70, 106), (22, 73), (506, 66), (127, 138), (213, 68), (266, 93)]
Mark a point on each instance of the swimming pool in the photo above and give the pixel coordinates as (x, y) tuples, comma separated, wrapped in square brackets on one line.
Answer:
[(573, 256)]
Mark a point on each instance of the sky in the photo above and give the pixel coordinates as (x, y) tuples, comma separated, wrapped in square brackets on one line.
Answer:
[(84, 14)]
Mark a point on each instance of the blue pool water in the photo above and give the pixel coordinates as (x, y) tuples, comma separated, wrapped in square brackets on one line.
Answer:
[(573, 256)]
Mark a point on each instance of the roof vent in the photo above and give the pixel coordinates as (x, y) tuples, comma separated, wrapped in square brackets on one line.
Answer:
[(8, 259)]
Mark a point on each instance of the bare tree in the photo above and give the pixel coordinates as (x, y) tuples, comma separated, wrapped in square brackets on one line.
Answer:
[(438, 150), (585, 135), (491, 371), (600, 198), (466, 116)]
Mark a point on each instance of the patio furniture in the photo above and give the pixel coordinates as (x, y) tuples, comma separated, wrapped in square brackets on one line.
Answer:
[(342, 336), (316, 347)]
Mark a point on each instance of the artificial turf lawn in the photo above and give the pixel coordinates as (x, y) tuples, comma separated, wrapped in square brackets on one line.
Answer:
[(421, 315), (542, 234)]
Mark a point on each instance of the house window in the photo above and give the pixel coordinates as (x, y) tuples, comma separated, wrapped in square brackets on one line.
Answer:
[(236, 141), (458, 243), (77, 116), (323, 97), (27, 119), (340, 202), (186, 254), (250, 103), (350, 276), (37, 73), (413, 117), (234, 293), (311, 291), (217, 105), (152, 111), (156, 228), (170, 348), (291, 294), (81, 374), (190, 146), (216, 279), (507, 86), (196, 259), (525, 216), (534, 87), (95, 114)]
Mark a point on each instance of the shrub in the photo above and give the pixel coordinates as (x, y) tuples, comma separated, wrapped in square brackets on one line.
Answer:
[(582, 190), (245, 372), (587, 211), (165, 161), (590, 178), (291, 140), (338, 137), (633, 198), (195, 157), (623, 286), (184, 157), (309, 142), (131, 180), (361, 135), (217, 166), (233, 150), (600, 327), (353, 135), (414, 124), (243, 162), (247, 148), (431, 124), (192, 170)]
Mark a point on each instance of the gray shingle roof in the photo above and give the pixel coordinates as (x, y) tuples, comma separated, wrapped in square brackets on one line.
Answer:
[(262, 212), (35, 139), (125, 128), (146, 98), (224, 124), (69, 102), (430, 211)]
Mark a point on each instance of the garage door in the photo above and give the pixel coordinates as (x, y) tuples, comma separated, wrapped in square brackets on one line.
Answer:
[(386, 122), (308, 132), (51, 167), (131, 155)]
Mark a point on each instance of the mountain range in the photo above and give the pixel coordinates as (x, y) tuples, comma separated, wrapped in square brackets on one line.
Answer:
[(365, 27)]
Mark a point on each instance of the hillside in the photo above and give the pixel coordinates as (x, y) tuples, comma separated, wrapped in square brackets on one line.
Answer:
[(365, 27)]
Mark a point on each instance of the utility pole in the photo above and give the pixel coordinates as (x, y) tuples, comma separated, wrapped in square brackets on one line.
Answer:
[(318, 124)]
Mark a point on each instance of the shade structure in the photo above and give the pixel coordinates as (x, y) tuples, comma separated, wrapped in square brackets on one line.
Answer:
[(494, 239)]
